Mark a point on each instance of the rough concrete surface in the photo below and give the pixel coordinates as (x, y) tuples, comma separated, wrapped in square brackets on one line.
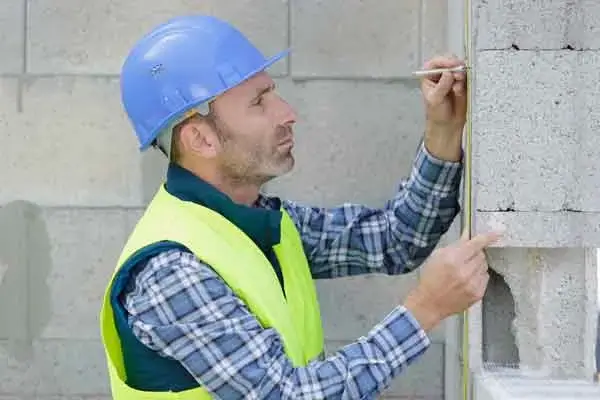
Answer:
[(60, 367), (50, 296), (536, 24), (552, 299), (84, 157), (559, 229), (70, 36), (435, 27), (351, 149), (80, 265), (73, 181), (536, 118), (530, 385), (324, 50)]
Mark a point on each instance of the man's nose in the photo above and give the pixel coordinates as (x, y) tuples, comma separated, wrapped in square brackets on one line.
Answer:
[(288, 114), (291, 116)]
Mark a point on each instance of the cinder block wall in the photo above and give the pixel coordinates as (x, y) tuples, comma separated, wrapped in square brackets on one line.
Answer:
[(535, 124), (73, 182)]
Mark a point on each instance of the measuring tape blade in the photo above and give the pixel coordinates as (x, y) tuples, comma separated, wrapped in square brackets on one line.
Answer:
[(467, 193)]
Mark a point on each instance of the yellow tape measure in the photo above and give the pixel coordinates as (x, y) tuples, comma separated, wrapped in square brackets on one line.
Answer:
[(467, 207)]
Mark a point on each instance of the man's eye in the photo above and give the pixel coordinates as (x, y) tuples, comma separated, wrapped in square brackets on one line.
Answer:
[(258, 101)]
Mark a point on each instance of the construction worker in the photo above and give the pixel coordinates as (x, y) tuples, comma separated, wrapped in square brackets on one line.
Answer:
[(213, 295)]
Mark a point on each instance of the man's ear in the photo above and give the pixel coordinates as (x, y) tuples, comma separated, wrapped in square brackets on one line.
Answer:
[(198, 137)]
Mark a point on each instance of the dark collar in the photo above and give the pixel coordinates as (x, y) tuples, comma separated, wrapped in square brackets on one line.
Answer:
[(260, 224)]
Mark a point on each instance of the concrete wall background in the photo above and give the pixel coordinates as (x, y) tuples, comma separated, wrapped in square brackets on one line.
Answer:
[(73, 183)]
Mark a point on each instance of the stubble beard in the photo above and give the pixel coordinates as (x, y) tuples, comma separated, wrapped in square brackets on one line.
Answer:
[(256, 165)]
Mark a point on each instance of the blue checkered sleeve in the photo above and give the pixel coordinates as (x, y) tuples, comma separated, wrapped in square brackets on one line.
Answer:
[(179, 307), (183, 310), (353, 239)]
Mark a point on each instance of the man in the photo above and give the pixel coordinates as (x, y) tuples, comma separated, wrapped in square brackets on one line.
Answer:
[(213, 295)]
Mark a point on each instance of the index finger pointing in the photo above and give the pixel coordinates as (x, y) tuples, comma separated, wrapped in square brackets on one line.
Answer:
[(480, 242)]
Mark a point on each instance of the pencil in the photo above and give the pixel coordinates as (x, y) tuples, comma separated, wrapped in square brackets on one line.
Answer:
[(438, 71)]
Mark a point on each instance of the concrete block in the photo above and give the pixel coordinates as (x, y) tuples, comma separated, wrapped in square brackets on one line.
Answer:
[(531, 103), (434, 31), (424, 379), (586, 119), (350, 307), (499, 24), (372, 38), (70, 37), (86, 156), (85, 245), (553, 303), (56, 368), (345, 153), (542, 229), (524, 385), (12, 30)]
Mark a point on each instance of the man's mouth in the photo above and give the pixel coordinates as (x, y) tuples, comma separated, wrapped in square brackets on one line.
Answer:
[(287, 139), (287, 136)]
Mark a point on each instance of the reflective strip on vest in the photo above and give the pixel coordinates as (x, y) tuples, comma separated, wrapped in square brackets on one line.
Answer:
[(220, 244)]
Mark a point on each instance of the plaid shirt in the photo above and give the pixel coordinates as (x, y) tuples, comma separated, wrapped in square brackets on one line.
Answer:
[(181, 308)]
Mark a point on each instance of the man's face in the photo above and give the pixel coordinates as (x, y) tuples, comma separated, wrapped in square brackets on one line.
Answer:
[(255, 126)]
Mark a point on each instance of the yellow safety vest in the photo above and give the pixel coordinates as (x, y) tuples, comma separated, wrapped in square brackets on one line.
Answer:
[(242, 265)]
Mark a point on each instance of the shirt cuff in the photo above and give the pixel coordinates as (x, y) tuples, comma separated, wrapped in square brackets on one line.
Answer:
[(401, 337), (438, 176)]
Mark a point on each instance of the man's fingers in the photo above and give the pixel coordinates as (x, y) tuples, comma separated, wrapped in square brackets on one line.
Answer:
[(443, 62), (442, 88), (458, 89), (480, 261), (476, 265), (459, 76), (482, 282), (479, 243)]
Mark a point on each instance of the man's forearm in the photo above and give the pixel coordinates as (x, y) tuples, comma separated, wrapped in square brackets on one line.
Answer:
[(425, 208), (259, 368), (443, 143), (362, 369), (226, 349)]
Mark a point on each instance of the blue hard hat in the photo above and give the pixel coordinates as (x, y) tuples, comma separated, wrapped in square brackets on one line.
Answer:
[(181, 64)]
